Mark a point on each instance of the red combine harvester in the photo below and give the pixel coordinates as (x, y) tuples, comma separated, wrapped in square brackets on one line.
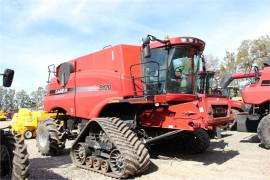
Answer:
[(256, 94), (126, 97)]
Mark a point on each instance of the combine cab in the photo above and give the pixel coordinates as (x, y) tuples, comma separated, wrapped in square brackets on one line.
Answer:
[(124, 99)]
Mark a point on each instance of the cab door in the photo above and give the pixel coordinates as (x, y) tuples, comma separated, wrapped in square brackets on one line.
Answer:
[(65, 88)]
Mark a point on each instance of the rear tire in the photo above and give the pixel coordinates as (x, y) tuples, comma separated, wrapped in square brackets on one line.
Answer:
[(263, 131), (14, 157), (197, 142), (50, 140), (7, 147), (20, 160)]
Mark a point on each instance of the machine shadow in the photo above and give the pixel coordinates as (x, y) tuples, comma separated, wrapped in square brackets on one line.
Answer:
[(215, 154), (226, 135), (152, 168), (46, 174), (251, 139), (41, 166)]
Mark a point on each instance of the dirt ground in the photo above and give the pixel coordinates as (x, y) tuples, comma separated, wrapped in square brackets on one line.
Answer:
[(235, 156)]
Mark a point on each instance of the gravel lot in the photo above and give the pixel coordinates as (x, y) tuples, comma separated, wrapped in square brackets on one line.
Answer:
[(235, 156)]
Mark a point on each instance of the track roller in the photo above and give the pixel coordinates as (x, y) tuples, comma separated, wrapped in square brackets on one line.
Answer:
[(96, 163)]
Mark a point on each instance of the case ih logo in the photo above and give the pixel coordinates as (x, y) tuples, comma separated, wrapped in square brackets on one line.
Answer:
[(103, 87), (61, 91)]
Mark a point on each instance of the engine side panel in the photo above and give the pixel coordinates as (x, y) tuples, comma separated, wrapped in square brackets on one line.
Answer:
[(99, 78)]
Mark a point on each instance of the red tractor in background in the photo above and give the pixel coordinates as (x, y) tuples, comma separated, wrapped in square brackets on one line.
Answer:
[(257, 95), (125, 98)]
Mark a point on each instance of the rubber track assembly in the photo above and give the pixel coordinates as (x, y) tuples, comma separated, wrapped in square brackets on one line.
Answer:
[(135, 158)]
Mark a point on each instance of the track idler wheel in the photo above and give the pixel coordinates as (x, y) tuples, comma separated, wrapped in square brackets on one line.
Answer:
[(117, 162), (80, 152)]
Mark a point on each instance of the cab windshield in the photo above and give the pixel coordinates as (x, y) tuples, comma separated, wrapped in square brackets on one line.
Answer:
[(181, 77), (172, 70)]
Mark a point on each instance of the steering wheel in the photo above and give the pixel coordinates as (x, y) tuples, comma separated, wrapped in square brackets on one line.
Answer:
[(217, 92)]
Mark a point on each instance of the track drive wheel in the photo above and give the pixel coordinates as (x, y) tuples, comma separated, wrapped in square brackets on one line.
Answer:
[(263, 131), (50, 139), (197, 142)]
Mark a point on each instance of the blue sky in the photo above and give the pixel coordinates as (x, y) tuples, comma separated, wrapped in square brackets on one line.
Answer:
[(36, 33)]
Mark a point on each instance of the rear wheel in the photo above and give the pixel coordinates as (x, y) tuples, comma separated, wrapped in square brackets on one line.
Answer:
[(6, 153), (197, 142), (20, 160), (263, 131), (50, 139), (14, 157)]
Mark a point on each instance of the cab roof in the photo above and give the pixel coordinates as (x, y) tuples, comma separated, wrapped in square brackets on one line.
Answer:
[(184, 40)]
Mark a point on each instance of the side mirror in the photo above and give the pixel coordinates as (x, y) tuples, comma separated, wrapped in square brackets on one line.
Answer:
[(146, 47), (8, 77)]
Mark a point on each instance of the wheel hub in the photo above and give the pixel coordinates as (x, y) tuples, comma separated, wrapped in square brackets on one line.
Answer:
[(28, 134)]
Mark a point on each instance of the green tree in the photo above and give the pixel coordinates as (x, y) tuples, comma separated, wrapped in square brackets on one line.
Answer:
[(253, 51), (212, 62), (248, 53), (23, 100), (8, 102), (38, 97)]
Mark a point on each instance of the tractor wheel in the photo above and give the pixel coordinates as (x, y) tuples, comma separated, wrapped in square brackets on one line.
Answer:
[(20, 160), (263, 131), (27, 134), (50, 139), (14, 157), (6, 154), (197, 142)]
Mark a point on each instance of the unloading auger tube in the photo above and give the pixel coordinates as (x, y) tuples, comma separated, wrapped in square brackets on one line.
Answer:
[(109, 147)]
